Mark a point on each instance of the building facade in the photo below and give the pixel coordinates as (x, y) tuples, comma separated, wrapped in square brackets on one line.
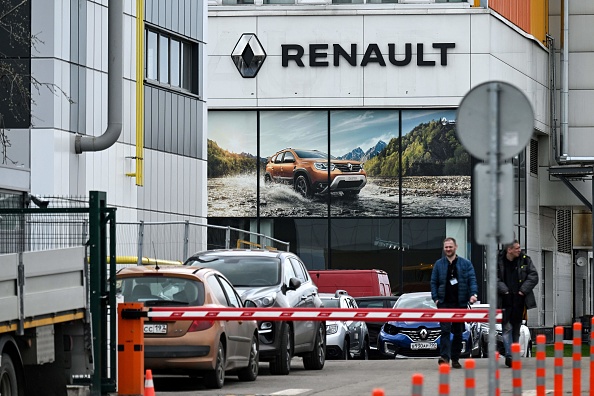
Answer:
[(155, 165), (379, 83)]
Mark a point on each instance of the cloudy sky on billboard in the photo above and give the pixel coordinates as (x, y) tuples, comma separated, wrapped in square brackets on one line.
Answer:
[(234, 131), (361, 128), (296, 129)]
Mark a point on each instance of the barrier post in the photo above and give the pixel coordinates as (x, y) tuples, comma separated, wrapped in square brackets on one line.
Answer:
[(558, 361), (444, 380), (540, 365), (577, 358), (516, 370), (417, 385), (131, 349), (377, 392), (470, 382)]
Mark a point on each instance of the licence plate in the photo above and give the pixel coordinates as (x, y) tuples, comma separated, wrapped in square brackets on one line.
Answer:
[(423, 345), (155, 329), (351, 178)]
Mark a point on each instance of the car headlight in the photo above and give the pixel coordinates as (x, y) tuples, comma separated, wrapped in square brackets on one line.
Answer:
[(323, 166), (265, 301), (331, 329), (361, 164)]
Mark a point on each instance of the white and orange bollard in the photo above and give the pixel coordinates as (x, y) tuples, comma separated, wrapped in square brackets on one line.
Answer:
[(516, 370), (497, 376), (540, 365), (470, 380), (444, 380), (558, 361), (577, 358), (417, 385), (591, 358)]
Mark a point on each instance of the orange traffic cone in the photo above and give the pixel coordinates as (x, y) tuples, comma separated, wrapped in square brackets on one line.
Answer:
[(377, 392), (149, 387)]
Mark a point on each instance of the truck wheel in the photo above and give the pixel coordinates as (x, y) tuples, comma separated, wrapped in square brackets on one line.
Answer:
[(281, 365), (302, 186), (8, 378), (316, 359)]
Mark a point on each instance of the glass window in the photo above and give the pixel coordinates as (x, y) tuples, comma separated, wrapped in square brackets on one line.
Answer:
[(217, 290), (187, 62), (234, 300), (164, 59), (151, 55), (299, 269), (175, 62), (288, 272), (170, 60)]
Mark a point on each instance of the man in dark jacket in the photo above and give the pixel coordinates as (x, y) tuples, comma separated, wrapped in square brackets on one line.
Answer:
[(516, 277), (453, 285)]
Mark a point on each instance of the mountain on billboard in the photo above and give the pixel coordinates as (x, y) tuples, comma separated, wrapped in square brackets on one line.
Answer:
[(359, 155)]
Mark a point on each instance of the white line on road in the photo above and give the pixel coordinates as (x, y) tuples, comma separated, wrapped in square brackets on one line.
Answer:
[(288, 392)]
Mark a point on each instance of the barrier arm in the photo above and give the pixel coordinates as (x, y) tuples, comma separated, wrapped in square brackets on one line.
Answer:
[(320, 314)]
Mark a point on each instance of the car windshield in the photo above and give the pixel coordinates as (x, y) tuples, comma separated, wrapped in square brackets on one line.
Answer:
[(162, 290), (312, 154), (243, 271), (420, 301), (330, 302)]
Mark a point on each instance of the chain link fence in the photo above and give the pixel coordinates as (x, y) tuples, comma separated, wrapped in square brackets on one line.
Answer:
[(136, 242)]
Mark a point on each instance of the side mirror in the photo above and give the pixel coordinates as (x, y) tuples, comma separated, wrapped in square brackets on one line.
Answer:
[(249, 304), (294, 284)]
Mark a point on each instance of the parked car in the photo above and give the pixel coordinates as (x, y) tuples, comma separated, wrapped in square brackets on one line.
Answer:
[(206, 348), (313, 172), (356, 282), (374, 327), (482, 329), (345, 339), (274, 279), (416, 339)]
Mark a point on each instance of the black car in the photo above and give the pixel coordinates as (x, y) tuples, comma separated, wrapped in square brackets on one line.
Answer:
[(274, 279), (375, 302)]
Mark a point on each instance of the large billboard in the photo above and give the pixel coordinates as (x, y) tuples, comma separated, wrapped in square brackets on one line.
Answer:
[(337, 163)]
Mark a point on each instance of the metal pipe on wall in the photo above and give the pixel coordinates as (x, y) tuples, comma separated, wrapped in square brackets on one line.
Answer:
[(115, 66), (565, 82)]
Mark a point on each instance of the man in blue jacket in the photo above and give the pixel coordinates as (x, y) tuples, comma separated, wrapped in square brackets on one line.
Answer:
[(453, 285)]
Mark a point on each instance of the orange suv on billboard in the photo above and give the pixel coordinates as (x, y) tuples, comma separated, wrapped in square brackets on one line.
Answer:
[(312, 172)]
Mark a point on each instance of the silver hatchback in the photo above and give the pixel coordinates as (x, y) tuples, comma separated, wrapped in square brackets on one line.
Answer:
[(345, 339)]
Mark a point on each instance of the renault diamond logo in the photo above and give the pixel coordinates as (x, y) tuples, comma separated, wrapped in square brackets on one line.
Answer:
[(423, 334), (350, 166), (248, 55)]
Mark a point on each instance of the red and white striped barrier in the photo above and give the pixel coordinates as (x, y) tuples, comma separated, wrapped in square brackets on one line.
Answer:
[(320, 314)]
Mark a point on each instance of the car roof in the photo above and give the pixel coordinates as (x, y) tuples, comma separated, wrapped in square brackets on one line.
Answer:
[(241, 252), (414, 295), (389, 298), (140, 270)]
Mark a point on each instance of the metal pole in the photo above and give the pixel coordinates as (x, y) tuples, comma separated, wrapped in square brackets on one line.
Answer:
[(140, 242), (494, 216), (228, 237), (592, 263), (186, 238)]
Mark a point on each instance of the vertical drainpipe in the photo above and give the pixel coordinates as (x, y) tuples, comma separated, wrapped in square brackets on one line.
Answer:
[(565, 82), (114, 85)]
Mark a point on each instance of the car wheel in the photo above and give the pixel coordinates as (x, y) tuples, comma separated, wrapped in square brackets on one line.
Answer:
[(250, 373), (281, 365), (364, 354), (302, 186), (267, 179), (316, 359), (215, 379)]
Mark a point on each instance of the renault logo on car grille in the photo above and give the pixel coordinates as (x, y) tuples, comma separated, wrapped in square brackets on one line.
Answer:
[(248, 55), (423, 334), (350, 166)]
